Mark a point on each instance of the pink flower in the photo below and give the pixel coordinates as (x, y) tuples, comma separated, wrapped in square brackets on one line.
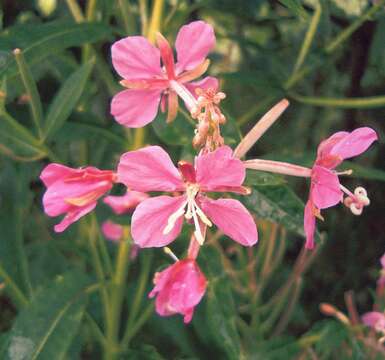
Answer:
[(148, 84), (375, 320), (158, 221), (112, 231), (325, 189), (124, 204), (73, 192), (178, 289)]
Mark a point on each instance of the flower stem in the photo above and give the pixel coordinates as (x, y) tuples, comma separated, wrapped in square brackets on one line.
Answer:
[(146, 260), (156, 18), (260, 128), (344, 103), (308, 37), (117, 296), (277, 167)]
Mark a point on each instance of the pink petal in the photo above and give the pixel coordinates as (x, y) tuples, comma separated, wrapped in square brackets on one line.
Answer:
[(204, 84), (112, 231), (54, 199), (53, 172), (325, 189), (73, 216), (134, 57), (325, 147), (193, 42), (374, 319), (309, 225), (135, 108), (382, 260), (150, 219), (123, 204), (219, 168), (355, 143), (149, 169), (232, 218)]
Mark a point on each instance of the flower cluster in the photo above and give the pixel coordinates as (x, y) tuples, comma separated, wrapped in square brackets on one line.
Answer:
[(152, 77)]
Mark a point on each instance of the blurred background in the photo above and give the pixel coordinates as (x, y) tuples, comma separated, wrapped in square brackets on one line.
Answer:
[(327, 57)]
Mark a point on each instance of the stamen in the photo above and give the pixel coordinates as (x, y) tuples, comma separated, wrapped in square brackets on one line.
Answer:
[(346, 172), (170, 253), (173, 218), (184, 93)]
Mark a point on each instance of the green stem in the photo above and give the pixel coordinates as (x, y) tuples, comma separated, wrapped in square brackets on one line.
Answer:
[(95, 329), (132, 331), (349, 103), (308, 37), (105, 256), (97, 264), (135, 307), (345, 34), (143, 15), (156, 18), (18, 296), (31, 88), (117, 296), (75, 10)]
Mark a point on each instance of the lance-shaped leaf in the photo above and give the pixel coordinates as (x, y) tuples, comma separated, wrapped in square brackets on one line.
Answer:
[(46, 327), (66, 99)]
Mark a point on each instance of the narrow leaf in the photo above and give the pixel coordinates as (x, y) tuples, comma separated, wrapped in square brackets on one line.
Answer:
[(46, 327), (66, 99)]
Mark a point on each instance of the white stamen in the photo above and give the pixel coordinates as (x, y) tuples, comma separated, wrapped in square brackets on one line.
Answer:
[(170, 253), (191, 210), (173, 218)]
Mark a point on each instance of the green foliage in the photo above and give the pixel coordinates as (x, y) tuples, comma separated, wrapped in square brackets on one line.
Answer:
[(326, 57), (47, 326)]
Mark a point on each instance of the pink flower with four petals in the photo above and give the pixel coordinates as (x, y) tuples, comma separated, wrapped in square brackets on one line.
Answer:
[(148, 84), (325, 188), (158, 221)]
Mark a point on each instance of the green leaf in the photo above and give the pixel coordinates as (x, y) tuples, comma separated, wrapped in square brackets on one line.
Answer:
[(278, 204), (295, 7), (260, 178), (66, 99), (221, 312), (16, 141), (40, 40), (46, 327)]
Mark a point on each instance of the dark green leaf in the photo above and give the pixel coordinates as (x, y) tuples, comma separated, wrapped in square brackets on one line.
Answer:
[(179, 132), (46, 327), (40, 40), (278, 204), (66, 99)]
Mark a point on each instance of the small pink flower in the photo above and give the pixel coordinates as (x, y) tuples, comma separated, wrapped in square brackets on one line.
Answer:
[(376, 320), (158, 221), (112, 231), (325, 188), (126, 203), (73, 192), (178, 289), (148, 84)]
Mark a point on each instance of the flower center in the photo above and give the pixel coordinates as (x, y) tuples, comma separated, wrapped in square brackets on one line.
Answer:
[(190, 210)]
